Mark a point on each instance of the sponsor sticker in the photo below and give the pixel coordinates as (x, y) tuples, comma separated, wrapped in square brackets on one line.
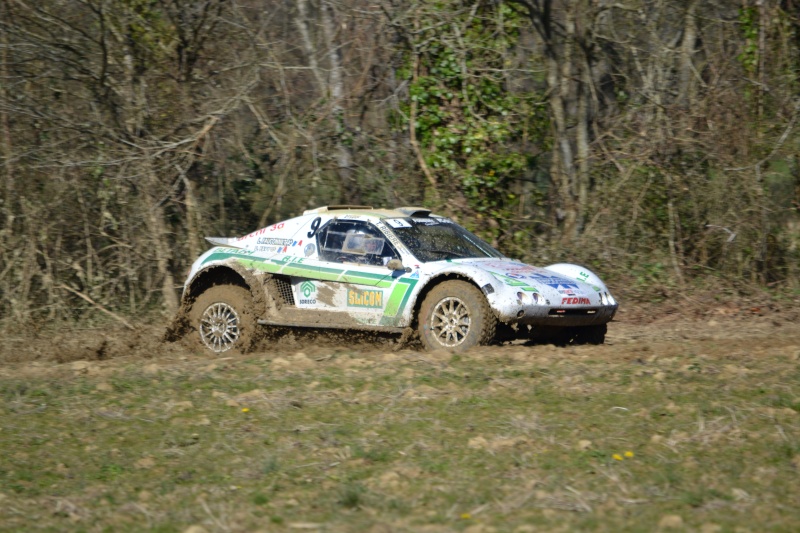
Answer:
[(290, 259), (563, 286), (364, 298), (575, 301), (310, 249), (262, 231), (566, 289), (515, 281), (274, 242), (397, 223), (391, 236), (307, 288), (237, 251)]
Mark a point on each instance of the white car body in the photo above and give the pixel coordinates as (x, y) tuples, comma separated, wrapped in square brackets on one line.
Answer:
[(300, 272)]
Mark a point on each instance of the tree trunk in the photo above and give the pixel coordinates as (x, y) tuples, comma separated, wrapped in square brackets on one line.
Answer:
[(344, 159), (158, 234), (686, 70), (331, 86), (5, 131)]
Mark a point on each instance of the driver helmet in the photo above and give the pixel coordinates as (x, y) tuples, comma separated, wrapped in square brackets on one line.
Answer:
[(357, 239)]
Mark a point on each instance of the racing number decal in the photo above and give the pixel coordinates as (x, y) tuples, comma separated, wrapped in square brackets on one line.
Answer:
[(314, 226)]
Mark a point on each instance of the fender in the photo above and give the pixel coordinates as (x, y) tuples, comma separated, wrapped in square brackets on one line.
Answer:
[(254, 282), (480, 278)]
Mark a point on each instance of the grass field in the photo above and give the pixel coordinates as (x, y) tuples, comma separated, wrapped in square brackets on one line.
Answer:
[(664, 428)]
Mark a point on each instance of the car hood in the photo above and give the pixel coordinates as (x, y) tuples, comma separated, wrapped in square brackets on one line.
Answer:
[(528, 277)]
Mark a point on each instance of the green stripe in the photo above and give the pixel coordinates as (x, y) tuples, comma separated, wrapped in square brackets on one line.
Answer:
[(276, 266), (300, 271), (367, 274), (219, 256), (398, 301), (356, 277), (325, 270)]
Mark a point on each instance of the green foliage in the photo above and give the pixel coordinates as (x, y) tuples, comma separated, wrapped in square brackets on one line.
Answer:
[(469, 124), (748, 25), (151, 35)]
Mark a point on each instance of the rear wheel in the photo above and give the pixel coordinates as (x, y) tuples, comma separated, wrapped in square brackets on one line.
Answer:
[(455, 316), (223, 317)]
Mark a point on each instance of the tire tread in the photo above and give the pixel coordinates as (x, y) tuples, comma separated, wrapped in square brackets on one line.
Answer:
[(458, 287)]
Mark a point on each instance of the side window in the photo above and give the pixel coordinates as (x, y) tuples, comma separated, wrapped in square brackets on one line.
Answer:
[(353, 241)]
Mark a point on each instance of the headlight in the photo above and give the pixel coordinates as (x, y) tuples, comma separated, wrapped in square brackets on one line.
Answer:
[(606, 299), (526, 298)]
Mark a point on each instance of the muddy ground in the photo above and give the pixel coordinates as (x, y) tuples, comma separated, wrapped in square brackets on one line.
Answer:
[(639, 330), (326, 431)]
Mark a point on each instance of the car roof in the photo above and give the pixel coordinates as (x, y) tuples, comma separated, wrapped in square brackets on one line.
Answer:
[(397, 212)]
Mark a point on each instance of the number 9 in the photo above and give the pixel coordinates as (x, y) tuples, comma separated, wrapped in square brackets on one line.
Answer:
[(314, 226)]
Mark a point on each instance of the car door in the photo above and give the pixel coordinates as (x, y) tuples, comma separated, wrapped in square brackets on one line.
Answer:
[(355, 254)]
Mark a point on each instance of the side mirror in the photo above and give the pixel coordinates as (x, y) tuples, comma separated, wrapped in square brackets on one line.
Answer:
[(396, 264)]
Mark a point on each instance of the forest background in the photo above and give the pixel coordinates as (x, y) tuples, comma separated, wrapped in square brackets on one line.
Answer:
[(655, 141)]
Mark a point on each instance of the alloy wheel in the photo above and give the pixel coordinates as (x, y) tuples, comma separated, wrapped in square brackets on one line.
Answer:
[(450, 321), (219, 327)]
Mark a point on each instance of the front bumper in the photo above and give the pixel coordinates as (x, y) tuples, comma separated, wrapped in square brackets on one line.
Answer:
[(547, 315)]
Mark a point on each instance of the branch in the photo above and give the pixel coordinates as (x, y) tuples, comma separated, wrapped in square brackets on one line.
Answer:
[(98, 306), (778, 145)]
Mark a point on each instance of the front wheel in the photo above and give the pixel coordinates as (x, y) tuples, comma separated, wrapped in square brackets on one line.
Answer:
[(223, 317), (455, 316)]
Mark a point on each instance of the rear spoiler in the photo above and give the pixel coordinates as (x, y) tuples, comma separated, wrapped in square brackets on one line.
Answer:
[(224, 241), (329, 208)]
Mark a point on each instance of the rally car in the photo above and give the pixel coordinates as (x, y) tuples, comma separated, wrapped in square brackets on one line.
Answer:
[(355, 267)]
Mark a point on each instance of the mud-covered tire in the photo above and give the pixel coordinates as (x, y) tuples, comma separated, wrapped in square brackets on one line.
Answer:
[(455, 316), (223, 318)]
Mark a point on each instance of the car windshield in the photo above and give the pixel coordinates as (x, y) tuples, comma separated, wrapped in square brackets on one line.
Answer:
[(436, 239)]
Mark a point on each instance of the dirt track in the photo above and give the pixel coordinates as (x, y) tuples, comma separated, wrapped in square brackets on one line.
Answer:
[(638, 332)]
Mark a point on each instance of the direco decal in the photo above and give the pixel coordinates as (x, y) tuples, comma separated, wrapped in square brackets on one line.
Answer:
[(307, 288)]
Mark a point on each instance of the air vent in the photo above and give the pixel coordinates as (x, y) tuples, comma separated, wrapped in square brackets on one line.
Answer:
[(572, 312), (284, 290)]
